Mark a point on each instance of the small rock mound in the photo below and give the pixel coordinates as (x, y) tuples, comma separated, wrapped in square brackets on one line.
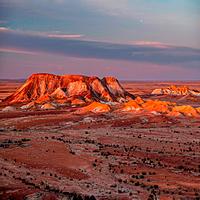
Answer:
[(9, 109), (131, 105), (95, 107), (48, 106), (77, 101), (174, 114), (176, 91), (158, 106), (186, 110), (29, 105)]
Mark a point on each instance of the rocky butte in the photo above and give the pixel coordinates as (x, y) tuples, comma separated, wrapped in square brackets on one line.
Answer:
[(51, 90)]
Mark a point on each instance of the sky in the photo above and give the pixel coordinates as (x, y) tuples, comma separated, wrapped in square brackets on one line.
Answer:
[(128, 39)]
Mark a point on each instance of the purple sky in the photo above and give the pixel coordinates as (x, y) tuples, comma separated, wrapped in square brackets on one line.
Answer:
[(129, 39)]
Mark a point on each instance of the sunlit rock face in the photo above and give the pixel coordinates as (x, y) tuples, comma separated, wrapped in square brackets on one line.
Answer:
[(48, 106), (95, 107), (44, 88), (160, 107), (176, 91), (186, 110)]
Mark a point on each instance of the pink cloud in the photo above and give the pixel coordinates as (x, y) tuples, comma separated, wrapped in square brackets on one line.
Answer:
[(18, 51), (151, 44), (64, 36), (54, 34), (4, 28)]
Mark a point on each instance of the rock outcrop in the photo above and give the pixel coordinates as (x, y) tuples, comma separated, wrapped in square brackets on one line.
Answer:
[(133, 105), (29, 105), (48, 106), (9, 109), (176, 91), (186, 110), (95, 107), (47, 88), (160, 107)]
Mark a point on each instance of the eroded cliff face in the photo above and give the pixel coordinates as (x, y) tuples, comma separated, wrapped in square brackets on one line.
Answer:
[(68, 88)]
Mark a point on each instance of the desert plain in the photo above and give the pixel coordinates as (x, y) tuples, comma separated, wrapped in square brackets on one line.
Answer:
[(65, 154)]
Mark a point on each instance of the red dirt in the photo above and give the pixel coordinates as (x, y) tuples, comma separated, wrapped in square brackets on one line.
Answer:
[(111, 155)]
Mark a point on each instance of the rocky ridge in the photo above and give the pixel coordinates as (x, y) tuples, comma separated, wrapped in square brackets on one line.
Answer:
[(176, 91)]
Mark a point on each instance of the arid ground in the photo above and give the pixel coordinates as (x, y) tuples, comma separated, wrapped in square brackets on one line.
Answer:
[(58, 154)]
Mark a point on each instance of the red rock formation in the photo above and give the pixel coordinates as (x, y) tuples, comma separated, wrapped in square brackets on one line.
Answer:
[(175, 90), (95, 107), (116, 90), (174, 114), (186, 110), (160, 107), (43, 88), (48, 106), (131, 105)]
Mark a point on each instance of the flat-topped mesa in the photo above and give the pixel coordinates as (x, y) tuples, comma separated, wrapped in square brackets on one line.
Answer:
[(176, 91), (49, 87)]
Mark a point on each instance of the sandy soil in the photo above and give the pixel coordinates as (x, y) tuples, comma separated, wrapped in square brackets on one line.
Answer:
[(60, 154)]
